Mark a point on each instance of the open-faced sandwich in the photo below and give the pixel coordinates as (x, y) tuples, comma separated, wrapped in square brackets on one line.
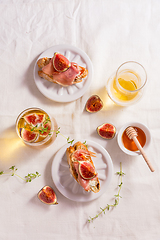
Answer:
[(60, 70), (82, 167)]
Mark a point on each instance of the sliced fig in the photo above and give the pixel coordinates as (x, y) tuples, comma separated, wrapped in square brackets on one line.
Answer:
[(106, 131), (94, 104), (87, 170), (28, 136), (45, 130), (34, 119), (60, 62), (47, 195)]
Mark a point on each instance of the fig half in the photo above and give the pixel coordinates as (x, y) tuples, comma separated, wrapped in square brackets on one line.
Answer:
[(46, 129), (47, 196), (60, 62), (86, 170), (94, 104), (34, 119), (28, 136), (106, 131)]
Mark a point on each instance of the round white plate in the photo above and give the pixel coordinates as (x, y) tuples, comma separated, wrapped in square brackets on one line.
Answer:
[(68, 186), (57, 92)]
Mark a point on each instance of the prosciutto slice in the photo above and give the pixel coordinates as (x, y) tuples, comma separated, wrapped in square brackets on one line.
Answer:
[(82, 155), (63, 78)]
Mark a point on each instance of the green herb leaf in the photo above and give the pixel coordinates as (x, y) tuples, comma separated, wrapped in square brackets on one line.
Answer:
[(117, 196), (32, 176), (28, 178), (70, 141), (85, 143), (58, 131)]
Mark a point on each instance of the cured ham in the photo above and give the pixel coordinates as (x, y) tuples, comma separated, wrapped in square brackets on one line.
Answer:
[(73, 74), (83, 182), (77, 155), (81, 155), (63, 78), (49, 69)]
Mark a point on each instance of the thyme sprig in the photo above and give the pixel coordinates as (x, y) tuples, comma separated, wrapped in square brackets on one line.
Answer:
[(58, 131), (117, 197), (45, 129), (85, 143), (32, 176), (40, 128), (12, 171), (67, 138)]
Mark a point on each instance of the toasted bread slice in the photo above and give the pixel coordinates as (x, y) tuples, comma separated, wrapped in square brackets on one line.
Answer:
[(83, 72), (73, 156), (43, 62)]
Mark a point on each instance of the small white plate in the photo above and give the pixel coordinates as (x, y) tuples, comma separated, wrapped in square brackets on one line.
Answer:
[(57, 92), (68, 186)]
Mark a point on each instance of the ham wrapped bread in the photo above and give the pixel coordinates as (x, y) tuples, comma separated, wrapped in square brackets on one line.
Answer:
[(74, 74), (77, 154)]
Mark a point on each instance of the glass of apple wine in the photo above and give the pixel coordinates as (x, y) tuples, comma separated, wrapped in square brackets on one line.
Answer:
[(127, 85), (34, 126)]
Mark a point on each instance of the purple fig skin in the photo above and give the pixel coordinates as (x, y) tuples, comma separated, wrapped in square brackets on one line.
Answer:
[(94, 104), (106, 131), (47, 196)]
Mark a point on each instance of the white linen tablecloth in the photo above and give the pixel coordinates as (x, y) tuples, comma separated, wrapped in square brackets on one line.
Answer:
[(110, 32)]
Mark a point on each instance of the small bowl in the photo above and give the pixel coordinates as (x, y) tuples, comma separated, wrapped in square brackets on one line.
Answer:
[(134, 124)]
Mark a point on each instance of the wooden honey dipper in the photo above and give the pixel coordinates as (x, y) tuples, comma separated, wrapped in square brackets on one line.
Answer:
[(132, 134)]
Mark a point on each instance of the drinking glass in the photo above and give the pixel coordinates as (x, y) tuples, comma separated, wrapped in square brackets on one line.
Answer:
[(127, 85), (34, 126)]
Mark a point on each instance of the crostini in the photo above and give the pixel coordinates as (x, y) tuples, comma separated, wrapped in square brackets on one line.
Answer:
[(59, 70), (82, 168)]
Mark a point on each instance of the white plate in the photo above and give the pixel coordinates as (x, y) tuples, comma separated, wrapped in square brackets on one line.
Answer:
[(57, 92), (68, 186)]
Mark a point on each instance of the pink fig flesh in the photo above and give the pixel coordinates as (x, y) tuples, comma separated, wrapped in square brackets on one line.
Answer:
[(47, 196), (86, 170), (60, 62), (94, 104), (34, 119), (28, 136), (46, 129), (106, 131)]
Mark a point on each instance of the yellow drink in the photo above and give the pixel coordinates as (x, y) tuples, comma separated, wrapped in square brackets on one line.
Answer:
[(127, 84), (34, 126), (125, 87), (127, 81)]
